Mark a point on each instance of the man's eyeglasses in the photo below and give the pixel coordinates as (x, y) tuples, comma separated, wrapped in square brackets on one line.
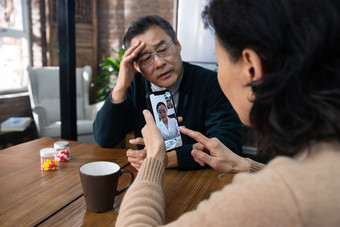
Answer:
[(162, 51)]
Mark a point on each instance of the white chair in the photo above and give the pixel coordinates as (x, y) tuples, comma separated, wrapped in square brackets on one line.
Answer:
[(45, 102)]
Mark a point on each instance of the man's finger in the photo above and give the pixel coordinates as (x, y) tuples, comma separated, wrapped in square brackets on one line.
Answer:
[(131, 153), (199, 162), (136, 47), (136, 166), (194, 134), (202, 157), (132, 160), (136, 154), (132, 53), (137, 141)]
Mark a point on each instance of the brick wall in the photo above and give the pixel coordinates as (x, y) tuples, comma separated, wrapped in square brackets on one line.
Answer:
[(38, 39), (114, 16)]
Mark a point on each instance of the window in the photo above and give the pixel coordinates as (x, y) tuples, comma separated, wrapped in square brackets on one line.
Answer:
[(14, 46)]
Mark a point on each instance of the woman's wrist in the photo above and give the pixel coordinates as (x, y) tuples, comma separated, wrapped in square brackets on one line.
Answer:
[(158, 153), (255, 166), (243, 165)]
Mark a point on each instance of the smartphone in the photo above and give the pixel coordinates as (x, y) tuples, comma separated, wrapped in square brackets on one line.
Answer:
[(161, 105)]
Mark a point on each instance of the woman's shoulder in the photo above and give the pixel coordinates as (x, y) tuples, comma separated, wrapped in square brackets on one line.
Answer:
[(312, 169), (321, 157), (311, 177)]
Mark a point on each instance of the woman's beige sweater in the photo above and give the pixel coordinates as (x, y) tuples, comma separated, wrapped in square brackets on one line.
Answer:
[(303, 191)]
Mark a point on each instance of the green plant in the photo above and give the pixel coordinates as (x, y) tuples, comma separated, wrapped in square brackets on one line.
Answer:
[(109, 68)]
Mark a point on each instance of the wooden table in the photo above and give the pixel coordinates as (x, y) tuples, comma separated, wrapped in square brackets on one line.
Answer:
[(30, 197)]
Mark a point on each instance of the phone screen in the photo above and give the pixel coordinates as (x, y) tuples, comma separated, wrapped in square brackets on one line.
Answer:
[(162, 107)]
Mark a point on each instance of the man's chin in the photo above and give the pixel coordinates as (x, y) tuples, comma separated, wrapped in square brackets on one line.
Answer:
[(166, 83)]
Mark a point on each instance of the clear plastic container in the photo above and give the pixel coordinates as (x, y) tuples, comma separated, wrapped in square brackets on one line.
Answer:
[(63, 151), (48, 159)]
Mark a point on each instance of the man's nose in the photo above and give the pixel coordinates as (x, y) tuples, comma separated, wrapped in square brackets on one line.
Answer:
[(159, 62)]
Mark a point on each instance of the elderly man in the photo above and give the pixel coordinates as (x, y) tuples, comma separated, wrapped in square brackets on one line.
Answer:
[(152, 62)]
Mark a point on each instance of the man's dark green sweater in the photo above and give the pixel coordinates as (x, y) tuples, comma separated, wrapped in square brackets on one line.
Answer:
[(201, 103)]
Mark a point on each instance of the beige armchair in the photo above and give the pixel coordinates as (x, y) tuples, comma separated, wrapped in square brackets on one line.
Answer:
[(45, 102)]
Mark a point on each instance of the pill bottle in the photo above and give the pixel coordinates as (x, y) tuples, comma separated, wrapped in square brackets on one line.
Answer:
[(63, 150), (48, 159)]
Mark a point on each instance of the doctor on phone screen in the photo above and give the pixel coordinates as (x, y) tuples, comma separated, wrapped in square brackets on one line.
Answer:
[(167, 126)]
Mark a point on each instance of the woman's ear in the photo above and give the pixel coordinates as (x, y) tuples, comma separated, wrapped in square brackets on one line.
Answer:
[(253, 64)]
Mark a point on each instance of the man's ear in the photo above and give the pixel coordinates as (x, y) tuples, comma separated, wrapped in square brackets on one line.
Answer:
[(179, 46), (137, 67), (253, 64)]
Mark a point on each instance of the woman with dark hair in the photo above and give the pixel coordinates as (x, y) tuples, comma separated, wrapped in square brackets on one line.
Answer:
[(167, 126), (279, 65)]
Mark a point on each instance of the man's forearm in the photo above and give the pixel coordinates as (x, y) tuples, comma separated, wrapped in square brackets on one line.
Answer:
[(172, 159), (118, 94)]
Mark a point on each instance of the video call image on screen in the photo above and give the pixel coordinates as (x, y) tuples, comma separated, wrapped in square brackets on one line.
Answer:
[(166, 120)]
